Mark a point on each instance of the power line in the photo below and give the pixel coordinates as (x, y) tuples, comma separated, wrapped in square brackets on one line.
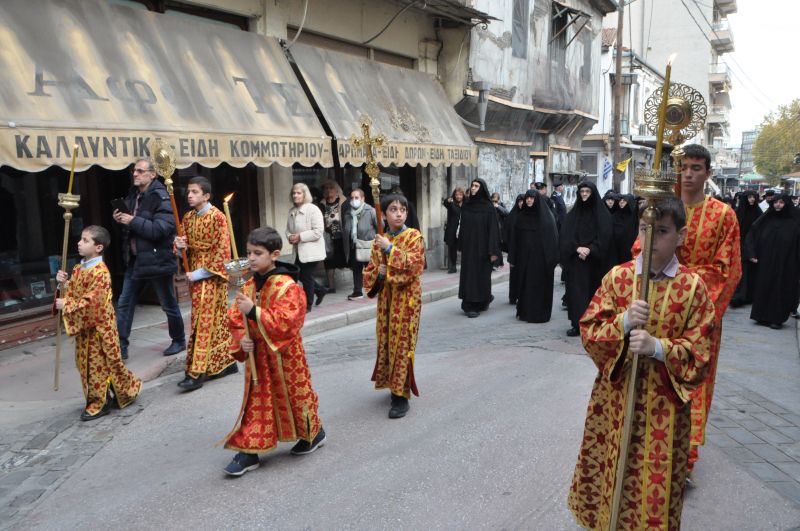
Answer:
[(703, 33), (731, 57)]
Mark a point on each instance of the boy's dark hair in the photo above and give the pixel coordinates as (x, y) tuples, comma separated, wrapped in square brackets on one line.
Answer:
[(266, 237), (391, 198), (99, 235), (202, 182), (696, 151), (671, 207)]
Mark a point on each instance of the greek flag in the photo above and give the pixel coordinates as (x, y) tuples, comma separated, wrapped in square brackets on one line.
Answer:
[(607, 169)]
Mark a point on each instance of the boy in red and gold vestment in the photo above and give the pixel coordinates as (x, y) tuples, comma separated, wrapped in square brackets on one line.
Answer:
[(208, 242), (671, 334), (397, 260), (88, 315), (281, 405)]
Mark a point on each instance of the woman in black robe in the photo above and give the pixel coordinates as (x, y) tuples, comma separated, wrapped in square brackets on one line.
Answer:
[(773, 242), (585, 243), (479, 243), (626, 227), (533, 255), (747, 212), (453, 206), (508, 231)]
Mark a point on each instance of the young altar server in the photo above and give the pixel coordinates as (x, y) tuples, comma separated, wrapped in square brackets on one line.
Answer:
[(208, 242), (671, 333), (89, 316), (282, 404), (397, 261)]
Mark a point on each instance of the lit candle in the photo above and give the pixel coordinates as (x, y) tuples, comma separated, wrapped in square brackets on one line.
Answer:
[(72, 169), (230, 225), (662, 114)]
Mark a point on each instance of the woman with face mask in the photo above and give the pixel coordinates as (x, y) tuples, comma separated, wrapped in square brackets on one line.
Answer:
[(359, 226)]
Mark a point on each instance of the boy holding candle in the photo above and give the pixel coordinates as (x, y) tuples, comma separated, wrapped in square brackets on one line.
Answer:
[(207, 242), (281, 404), (671, 333), (88, 314)]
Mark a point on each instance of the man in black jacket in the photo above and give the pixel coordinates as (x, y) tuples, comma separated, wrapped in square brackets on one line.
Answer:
[(558, 202), (147, 236)]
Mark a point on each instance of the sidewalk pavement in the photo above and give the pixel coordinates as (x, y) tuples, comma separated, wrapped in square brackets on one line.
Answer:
[(27, 371)]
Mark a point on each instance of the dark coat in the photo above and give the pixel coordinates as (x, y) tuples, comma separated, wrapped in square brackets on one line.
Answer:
[(589, 225), (774, 239), (478, 239), (153, 231), (453, 218), (560, 208), (534, 254)]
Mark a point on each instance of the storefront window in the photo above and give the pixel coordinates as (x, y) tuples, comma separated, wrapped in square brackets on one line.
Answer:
[(31, 237)]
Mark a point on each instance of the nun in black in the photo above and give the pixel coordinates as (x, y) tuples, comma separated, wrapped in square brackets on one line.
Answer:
[(774, 243), (533, 254), (508, 234), (626, 227), (479, 243), (747, 212), (585, 243)]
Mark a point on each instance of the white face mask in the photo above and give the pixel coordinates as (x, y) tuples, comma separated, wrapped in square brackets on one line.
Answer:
[(356, 203)]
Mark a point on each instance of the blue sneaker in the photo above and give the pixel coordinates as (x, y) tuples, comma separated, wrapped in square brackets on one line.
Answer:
[(305, 447), (241, 463)]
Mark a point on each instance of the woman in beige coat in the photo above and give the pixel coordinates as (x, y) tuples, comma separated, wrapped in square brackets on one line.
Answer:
[(304, 229)]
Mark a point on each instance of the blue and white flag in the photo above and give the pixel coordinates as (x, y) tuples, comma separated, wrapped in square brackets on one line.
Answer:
[(607, 169)]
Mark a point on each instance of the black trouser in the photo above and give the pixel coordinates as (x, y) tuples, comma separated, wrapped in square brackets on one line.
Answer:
[(452, 255), (358, 273), (307, 279)]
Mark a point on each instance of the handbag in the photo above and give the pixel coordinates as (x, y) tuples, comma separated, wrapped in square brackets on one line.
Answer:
[(328, 244), (363, 250)]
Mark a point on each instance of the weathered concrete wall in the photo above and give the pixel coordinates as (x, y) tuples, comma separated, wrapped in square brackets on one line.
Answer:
[(537, 79), (505, 170)]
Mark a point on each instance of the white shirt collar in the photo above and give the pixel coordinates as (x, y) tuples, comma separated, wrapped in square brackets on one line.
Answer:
[(670, 271)]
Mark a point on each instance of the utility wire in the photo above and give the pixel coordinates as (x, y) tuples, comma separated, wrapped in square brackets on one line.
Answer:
[(766, 105), (731, 57)]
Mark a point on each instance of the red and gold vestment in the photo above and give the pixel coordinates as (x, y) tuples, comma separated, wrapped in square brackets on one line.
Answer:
[(209, 248), (89, 316), (282, 406), (399, 307), (682, 319)]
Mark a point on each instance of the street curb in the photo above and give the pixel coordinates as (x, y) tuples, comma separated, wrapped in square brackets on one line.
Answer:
[(317, 325)]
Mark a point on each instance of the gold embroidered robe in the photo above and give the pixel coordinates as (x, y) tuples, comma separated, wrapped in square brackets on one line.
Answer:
[(682, 319), (282, 406), (209, 247), (712, 250), (88, 315), (399, 307)]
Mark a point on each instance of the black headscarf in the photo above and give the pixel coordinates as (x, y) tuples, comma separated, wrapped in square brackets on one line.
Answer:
[(483, 193), (539, 218), (588, 221), (746, 213)]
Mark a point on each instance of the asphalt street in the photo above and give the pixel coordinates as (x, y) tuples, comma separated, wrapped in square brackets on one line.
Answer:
[(490, 444)]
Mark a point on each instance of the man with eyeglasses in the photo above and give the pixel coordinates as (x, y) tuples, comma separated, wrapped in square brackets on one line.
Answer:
[(147, 236)]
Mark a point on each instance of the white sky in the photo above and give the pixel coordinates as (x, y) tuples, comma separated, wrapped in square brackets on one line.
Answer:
[(766, 71)]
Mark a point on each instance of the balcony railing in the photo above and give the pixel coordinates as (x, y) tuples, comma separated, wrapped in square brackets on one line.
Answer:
[(719, 74), (718, 114), (722, 37), (726, 7)]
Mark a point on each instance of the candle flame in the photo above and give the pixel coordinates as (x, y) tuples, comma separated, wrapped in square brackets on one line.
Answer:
[(672, 58), (229, 197), (74, 147)]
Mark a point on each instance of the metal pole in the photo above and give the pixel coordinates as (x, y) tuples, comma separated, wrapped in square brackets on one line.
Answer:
[(618, 96)]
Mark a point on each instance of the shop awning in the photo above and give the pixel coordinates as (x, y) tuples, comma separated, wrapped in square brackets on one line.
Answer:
[(111, 78), (408, 107)]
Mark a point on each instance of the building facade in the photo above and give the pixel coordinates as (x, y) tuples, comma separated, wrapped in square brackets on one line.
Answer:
[(235, 87), (539, 70)]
